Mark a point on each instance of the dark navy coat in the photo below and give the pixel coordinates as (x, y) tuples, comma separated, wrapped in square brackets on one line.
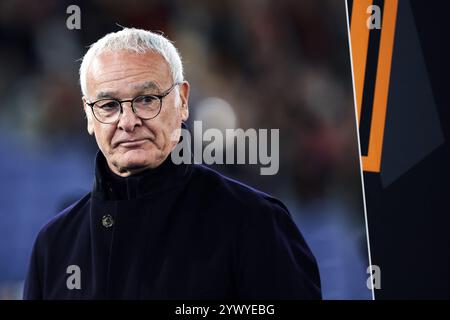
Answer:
[(174, 232)]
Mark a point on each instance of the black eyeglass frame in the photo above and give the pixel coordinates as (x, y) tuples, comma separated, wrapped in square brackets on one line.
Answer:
[(160, 97)]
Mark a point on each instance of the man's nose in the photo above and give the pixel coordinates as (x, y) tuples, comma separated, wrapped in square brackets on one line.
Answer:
[(128, 119)]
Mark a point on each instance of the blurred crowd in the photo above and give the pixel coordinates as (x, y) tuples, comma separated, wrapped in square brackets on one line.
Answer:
[(277, 64)]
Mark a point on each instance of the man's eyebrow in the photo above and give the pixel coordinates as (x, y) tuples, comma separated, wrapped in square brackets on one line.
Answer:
[(147, 85), (140, 88), (106, 94)]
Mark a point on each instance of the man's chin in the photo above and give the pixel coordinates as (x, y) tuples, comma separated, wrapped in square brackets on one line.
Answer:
[(138, 161), (127, 168)]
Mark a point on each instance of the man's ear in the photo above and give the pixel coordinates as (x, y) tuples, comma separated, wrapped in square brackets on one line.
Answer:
[(184, 97), (89, 116)]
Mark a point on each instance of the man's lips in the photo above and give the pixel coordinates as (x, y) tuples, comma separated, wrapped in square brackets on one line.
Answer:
[(132, 143)]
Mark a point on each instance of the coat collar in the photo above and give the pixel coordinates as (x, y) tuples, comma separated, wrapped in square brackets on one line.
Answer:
[(109, 186)]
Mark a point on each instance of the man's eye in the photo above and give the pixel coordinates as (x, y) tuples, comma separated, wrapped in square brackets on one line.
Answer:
[(146, 99), (108, 105)]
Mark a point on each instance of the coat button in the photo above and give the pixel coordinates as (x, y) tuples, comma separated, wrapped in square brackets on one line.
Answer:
[(107, 221)]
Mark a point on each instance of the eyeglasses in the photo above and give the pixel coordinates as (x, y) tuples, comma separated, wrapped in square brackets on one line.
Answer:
[(145, 107)]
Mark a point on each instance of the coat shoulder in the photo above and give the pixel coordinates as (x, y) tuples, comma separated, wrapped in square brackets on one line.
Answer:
[(230, 193)]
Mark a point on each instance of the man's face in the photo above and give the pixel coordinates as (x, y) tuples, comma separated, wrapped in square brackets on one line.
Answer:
[(131, 144)]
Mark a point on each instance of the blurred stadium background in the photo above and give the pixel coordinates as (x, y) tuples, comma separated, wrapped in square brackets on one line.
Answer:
[(251, 64)]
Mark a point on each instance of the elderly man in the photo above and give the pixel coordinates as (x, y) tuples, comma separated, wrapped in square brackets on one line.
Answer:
[(151, 229)]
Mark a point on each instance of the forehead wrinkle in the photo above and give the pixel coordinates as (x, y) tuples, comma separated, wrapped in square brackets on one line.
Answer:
[(122, 69), (121, 77), (104, 76)]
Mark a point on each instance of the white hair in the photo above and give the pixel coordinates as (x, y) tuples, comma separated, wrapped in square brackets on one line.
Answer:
[(135, 40)]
